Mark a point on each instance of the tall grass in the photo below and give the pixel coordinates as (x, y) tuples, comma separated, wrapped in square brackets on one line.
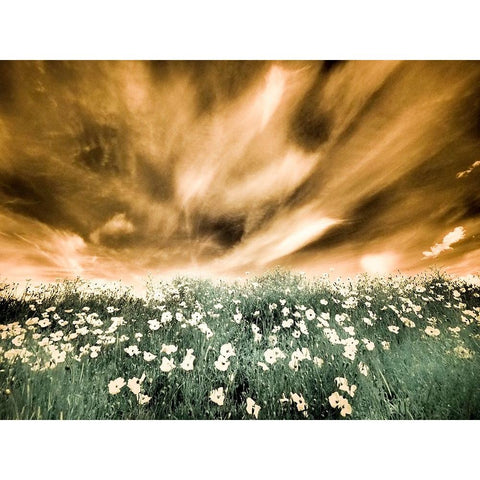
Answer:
[(428, 370)]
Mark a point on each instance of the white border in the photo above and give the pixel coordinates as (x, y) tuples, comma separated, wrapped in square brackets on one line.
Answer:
[(250, 29), (229, 30), (237, 449)]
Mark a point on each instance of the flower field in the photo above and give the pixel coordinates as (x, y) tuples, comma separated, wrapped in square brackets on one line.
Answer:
[(279, 346)]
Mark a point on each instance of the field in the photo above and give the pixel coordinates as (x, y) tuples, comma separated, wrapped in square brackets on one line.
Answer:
[(279, 346)]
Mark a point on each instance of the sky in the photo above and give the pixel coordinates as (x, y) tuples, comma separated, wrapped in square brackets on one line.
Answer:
[(117, 170)]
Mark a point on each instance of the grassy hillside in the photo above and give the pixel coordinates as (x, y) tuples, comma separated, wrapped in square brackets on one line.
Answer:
[(280, 346)]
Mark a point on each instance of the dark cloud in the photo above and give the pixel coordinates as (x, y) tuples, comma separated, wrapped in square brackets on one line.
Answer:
[(311, 123), (311, 126), (7, 81), (35, 196), (363, 223), (216, 81), (100, 147), (227, 231), (332, 65), (157, 183)]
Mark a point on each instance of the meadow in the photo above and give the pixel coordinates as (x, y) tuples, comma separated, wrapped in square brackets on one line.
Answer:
[(278, 346)]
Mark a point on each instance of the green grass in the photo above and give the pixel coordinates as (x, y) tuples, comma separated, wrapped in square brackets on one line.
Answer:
[(418, 377)]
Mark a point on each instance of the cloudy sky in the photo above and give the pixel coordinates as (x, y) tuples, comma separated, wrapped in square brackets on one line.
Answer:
[(115, 170)]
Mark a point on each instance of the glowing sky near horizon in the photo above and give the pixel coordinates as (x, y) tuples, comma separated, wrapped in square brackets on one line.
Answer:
[(116, 170)]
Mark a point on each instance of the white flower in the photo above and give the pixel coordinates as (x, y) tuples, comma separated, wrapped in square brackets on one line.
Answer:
[(305, 354), (454, 330), (148, 357), (342, 384), (272, 340), (334, 399), (252, 407), (318, 361), (134, 384), (298, 356), (393, 329), (278, 353), (168, 349), (263, 365), (300, 401), (94, 350), (222, 363), (143, 399), (217, 396), (227, 350), (385, 345), (463, 352), (284, 399), (187, 363), (166, 317), (203, 327), (363, 368), (270, 356), (58, 357), (310, 314), (302, 327), (287, 323), (82, 331), (132, 350), (407, 322), (32, 321), (237, 317), (167, 364), (323, 301), (337, 401), (56, 336), (196, 317), (350, 330), (432, 332), (154, 324), (116, 385), (369, 345), (345, 408), (18, 340)]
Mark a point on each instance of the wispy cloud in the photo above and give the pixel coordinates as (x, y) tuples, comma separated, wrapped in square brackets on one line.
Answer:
[(468, 170), (117, 226), (111, 169), (449, 239)]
